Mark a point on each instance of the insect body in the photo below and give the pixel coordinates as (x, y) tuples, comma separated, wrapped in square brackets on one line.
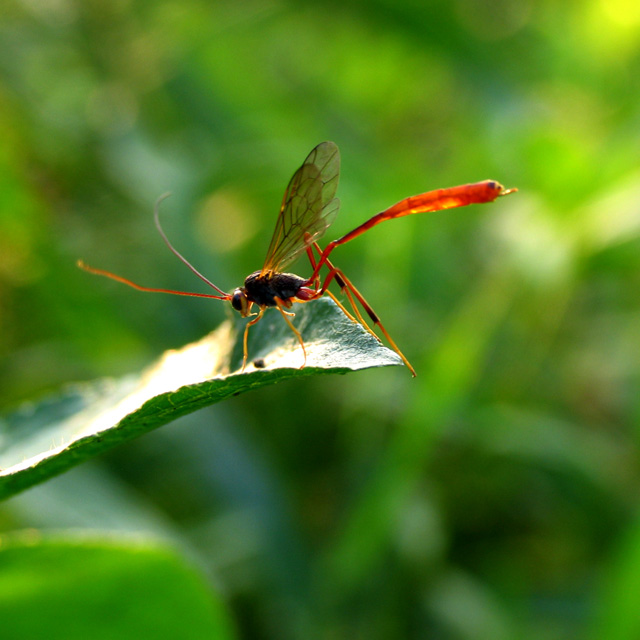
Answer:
[(308, 209), (271, 290)]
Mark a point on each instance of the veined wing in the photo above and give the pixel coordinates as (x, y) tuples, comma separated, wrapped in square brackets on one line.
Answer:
[(308, 207)]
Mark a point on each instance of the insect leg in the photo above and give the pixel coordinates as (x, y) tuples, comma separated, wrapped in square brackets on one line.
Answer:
[(351, 291), (346, 311), (312, 259), (376, 320), (317, 284), (335, 273), (285, 315), (246, 336)]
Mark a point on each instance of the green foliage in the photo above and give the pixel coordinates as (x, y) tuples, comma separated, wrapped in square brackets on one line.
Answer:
[(104, 588), (491, 497)]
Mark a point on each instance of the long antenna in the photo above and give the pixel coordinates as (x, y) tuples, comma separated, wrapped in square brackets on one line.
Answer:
[(175, 251), (139, 287)]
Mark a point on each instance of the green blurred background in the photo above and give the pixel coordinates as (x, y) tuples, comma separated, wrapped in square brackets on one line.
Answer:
[(494, 496)]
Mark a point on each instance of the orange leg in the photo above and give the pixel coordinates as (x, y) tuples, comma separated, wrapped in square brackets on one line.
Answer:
[(335, 273), (317, 285), (350, 290), (246, 336), (281, 304), (286, 315), (346, 311), (374, 318)]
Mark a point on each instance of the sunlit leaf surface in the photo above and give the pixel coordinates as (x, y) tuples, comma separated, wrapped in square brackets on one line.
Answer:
[(44, 439)]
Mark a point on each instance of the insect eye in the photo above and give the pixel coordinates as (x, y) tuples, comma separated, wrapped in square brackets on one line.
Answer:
[(239, 301)]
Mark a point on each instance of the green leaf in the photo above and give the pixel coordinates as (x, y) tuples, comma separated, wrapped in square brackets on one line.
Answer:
[(98, 588), (43, 440)]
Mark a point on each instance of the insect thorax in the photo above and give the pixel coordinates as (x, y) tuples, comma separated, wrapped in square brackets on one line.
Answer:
[(264, 289)]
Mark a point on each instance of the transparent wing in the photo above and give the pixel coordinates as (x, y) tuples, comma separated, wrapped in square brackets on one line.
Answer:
[(308, 207)]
